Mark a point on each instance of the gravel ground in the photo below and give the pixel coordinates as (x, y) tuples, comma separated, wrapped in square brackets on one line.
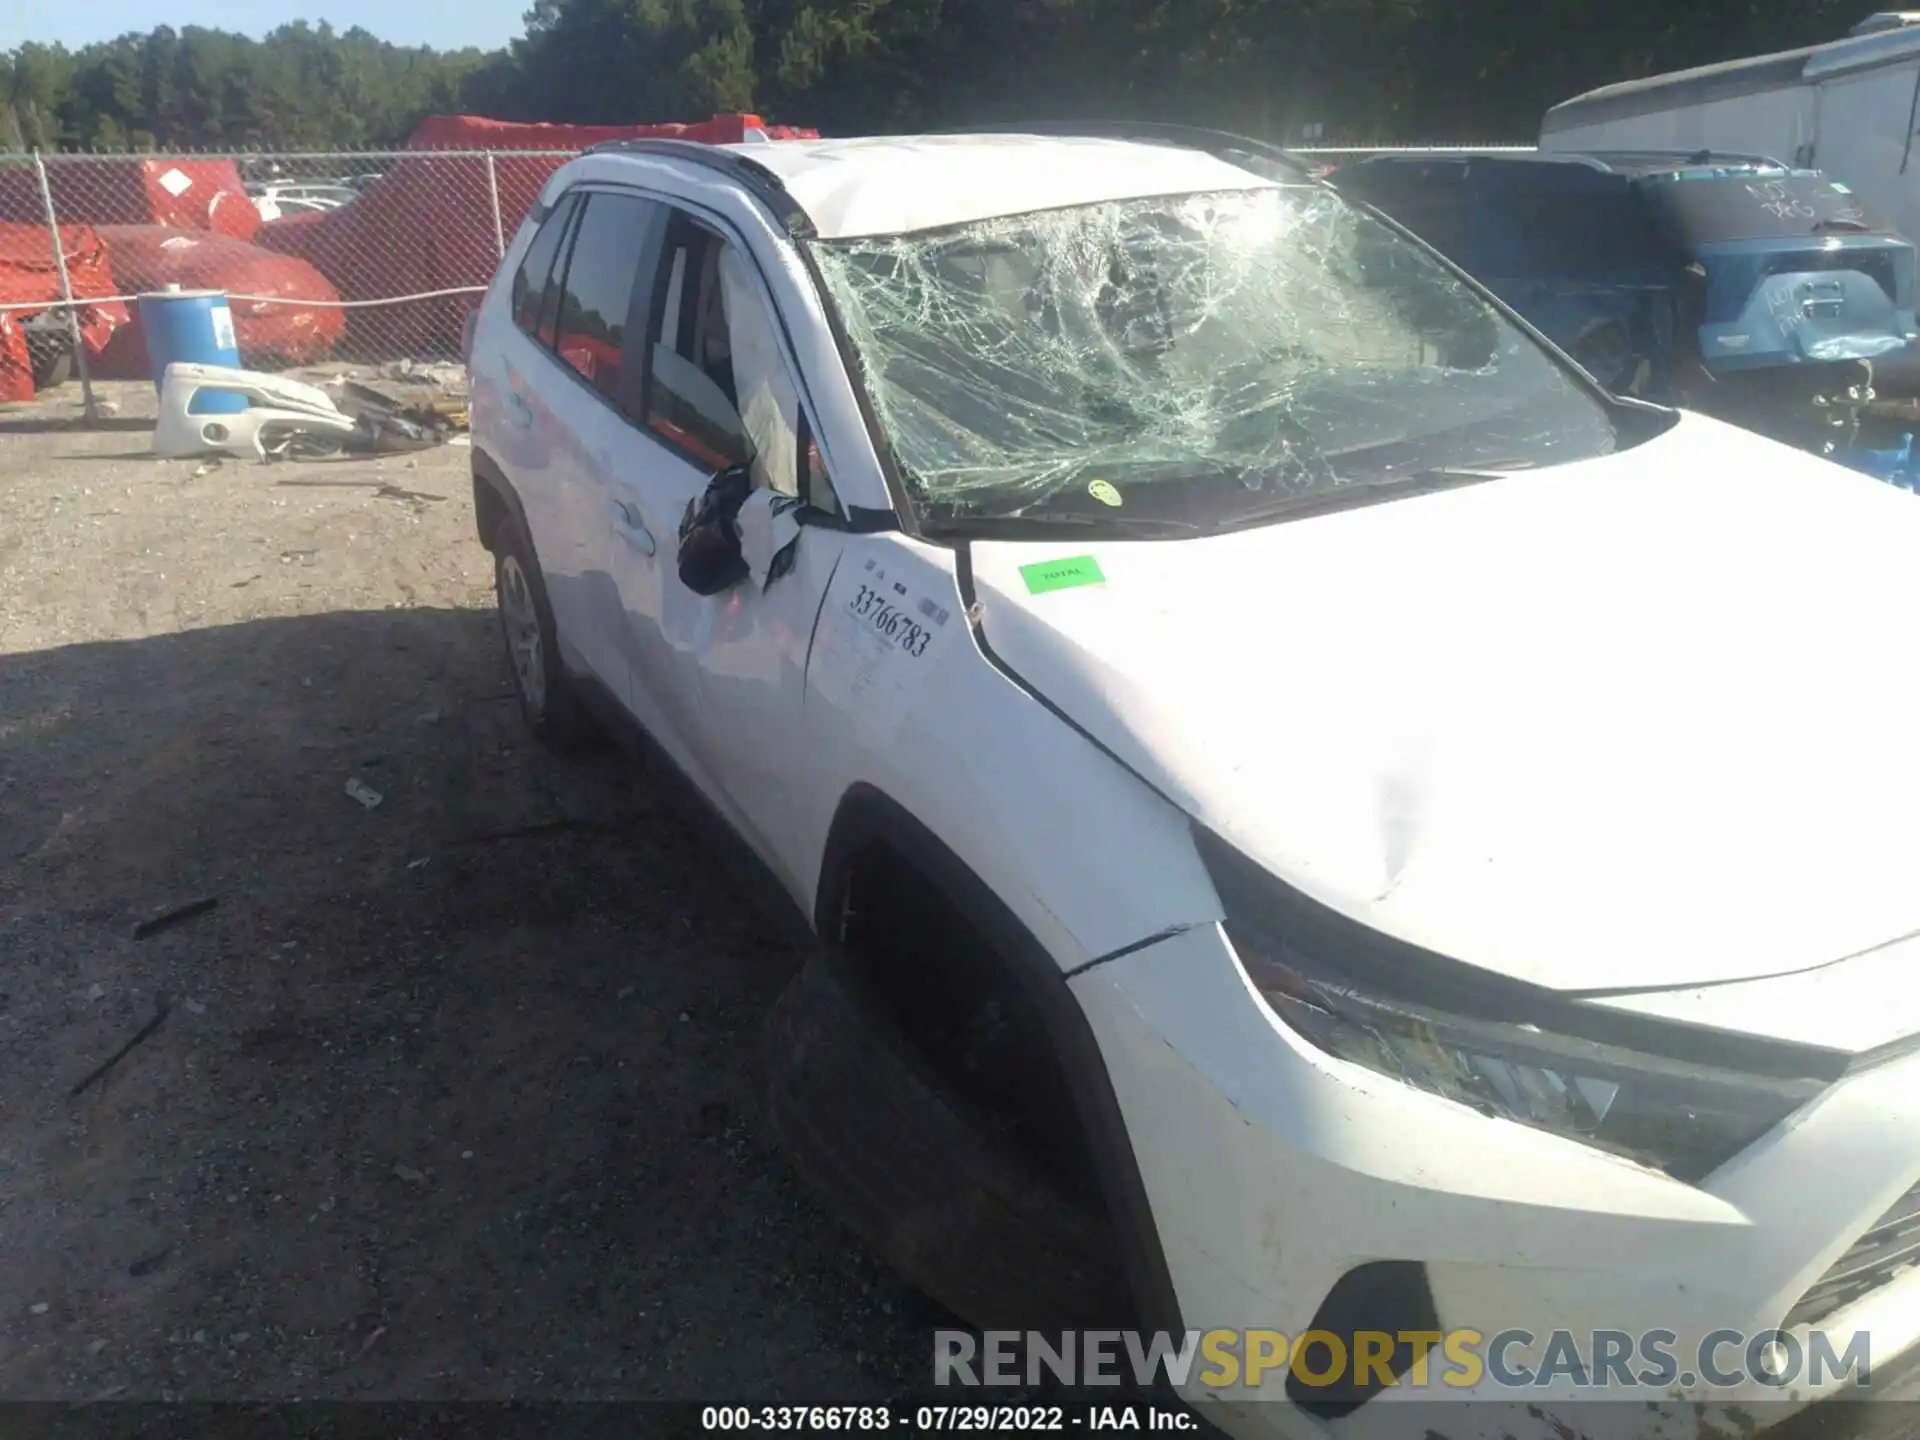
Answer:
[(453, 1098)]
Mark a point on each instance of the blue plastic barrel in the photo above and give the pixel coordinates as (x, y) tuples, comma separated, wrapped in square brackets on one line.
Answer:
[(194, 327)]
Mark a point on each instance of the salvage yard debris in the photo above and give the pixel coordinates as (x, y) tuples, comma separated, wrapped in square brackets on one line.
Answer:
[(167, 919), (363, 792), (284, 311), (443, 373), (288, 419), (162, 1007), (36, 345), (145, 1266), (397, 423), (278, 411)]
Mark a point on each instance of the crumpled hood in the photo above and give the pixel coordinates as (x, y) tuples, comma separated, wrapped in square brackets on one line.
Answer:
[(1646, 721)]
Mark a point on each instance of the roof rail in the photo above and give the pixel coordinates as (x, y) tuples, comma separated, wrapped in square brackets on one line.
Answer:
[(1221, 144), (1386, 159), (762, 183)]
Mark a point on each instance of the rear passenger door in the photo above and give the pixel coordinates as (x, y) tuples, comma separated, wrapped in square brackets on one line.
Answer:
[(591, 398), (525, 434)]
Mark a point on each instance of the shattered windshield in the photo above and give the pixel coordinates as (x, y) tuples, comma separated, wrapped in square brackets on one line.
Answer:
[(1196, 358)]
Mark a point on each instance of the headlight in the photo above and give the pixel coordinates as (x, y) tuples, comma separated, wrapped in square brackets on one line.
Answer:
[(1683, 1118)]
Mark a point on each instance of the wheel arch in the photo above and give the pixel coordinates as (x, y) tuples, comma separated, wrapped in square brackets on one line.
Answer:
[(494, 500), (866, 818)]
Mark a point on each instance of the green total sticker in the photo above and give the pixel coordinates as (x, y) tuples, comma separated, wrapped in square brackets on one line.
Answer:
[(1045, 575)]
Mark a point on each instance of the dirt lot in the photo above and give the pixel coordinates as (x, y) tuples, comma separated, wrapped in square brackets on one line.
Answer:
[(454, 1098), (435, 1111)]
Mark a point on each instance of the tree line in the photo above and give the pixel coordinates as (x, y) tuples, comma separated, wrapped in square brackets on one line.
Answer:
[(302, 87), (1360, 70)]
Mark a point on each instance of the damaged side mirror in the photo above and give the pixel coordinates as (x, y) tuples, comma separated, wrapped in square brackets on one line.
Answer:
[(738, 531), (710, 558), (691, 406)]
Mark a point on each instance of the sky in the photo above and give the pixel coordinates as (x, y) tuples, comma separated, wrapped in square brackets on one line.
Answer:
[(445, 24)]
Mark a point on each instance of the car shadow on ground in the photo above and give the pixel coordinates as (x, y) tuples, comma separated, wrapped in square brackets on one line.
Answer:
[(456, 1096)]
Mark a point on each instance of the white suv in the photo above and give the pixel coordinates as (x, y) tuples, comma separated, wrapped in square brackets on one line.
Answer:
[(1313, 808)]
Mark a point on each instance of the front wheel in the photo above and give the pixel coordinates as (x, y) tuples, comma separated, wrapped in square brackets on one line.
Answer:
[(547, 697), (927, 1179)]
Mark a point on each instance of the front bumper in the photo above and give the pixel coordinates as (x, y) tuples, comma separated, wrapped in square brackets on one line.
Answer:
[(1273, 1169)]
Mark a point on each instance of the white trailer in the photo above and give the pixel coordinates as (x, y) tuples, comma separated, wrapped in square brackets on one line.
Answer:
[(1849, 108)]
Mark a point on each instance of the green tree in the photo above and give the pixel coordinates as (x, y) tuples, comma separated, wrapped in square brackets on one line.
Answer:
[(39, 86), (302, 86), (1367, 70), (625, 61)]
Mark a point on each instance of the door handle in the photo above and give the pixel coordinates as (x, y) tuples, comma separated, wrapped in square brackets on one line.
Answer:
[(630, 527)]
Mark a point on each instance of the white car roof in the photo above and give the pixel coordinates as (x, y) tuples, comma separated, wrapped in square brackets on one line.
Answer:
[(892, 185)]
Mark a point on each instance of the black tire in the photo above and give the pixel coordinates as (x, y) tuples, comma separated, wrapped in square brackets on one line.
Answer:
[(52, 360), (924, 1178), (552, 706)]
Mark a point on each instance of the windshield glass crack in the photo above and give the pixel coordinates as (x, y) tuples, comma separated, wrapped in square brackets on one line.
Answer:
[(1240, 341)]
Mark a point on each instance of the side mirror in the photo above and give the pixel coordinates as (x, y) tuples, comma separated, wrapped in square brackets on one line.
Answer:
[(709, 556)]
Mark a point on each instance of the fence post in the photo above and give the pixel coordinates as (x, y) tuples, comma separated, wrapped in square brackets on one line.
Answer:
[(89, 408), (493, 194)]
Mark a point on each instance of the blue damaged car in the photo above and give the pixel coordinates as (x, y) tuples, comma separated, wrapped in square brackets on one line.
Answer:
[(1729, 284)]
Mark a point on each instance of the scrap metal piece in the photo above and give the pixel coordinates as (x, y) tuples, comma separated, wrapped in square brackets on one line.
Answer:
[(167, 919), (278, 409), (363, 792), (162, 1007)]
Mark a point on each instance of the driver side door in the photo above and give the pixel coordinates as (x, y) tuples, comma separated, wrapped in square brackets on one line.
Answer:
[(721, 391)]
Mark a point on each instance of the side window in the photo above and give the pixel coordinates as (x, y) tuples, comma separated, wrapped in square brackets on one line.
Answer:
[(592, 321), (692, 403), (816, 485), (667, 332), (535, 275), (721, 388)]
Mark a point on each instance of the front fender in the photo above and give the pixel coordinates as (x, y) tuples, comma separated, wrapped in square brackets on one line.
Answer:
[(868, 816), (1082, 850)]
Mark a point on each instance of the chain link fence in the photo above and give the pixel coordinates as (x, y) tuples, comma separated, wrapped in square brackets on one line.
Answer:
[(365, 257)]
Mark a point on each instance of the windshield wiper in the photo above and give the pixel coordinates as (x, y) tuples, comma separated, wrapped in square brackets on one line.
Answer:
[(1140, 525), (1493, 470)]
